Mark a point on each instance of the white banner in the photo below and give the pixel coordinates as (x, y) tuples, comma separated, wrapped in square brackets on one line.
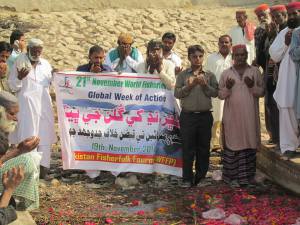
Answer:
[(117, 122)]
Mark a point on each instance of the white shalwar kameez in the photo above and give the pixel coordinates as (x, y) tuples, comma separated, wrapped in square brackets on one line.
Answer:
[(284, 94), (36, 117)]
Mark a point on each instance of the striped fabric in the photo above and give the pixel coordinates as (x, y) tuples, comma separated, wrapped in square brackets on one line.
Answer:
[(28, 189), (239, 166)]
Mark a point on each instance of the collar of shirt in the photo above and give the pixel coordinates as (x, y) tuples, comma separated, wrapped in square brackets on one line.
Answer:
[(227, 56), (170, 55), (235, 71)]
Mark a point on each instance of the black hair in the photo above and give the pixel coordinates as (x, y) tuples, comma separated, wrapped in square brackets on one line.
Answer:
[(169, 35), (153, 44), (95, 48), (194, 48), (5, 46), (225, 36), (15, 35)]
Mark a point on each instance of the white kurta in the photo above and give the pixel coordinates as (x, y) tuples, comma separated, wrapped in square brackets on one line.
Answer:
[(238, 38), (284, 94), (174, 57), (129, 64), (36, 117), (216, 64)]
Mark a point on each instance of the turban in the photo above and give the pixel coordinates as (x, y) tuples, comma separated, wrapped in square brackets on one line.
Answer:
[(262, 7), (278, 8), (154, 44), (7, 100), (293, 6), (236, 47), (125, 38), (243, 12), (34, 42)]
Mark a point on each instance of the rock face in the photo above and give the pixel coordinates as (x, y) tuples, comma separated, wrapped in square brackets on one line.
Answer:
[(66, 5), (68, 35), (58, 5), (237, 2)]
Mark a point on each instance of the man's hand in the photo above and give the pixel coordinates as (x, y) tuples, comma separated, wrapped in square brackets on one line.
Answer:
[(96, 68), (22, 73), (288, 37), (178, 69), (3, 69), (12, 178), (29, 144), (192, 81), (155, 63), (229, 83), (249, 82), (127, 51), (271, 29), (124, 51), (151, 63), (201, 80), (151, 59), (159, 64)]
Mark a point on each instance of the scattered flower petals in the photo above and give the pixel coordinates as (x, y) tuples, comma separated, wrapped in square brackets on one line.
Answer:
[(135, 202), (162, 209), (140, 212), (109, 221), (193, 206)]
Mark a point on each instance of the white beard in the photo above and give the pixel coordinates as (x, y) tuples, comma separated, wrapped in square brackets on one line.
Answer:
[(32, 58), (7, 126)]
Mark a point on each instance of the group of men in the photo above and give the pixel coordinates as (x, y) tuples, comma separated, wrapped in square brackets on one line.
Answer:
[(277, 54), (29, 77), (272, 46)]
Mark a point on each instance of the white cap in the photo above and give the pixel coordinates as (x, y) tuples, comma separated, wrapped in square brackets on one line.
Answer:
[(34, 42)]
